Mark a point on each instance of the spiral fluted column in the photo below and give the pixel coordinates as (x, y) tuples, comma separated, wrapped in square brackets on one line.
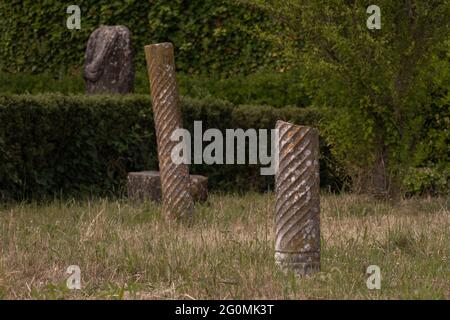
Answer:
[(297, 209), (175, 183)]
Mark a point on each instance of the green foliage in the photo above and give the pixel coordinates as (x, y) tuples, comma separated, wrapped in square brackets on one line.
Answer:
[(377, 81), (209, 35), (77, 145), (262, 88), (430, 172), (215, 36), (433, 149), (35, 38), (427, 181), (21, 83)]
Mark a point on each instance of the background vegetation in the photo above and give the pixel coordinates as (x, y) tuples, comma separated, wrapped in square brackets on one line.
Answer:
[(382, 95), (210, 36), (380, 82)]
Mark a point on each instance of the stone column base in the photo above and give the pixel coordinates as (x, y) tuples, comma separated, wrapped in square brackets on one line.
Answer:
[(303, 264), (146, 185)]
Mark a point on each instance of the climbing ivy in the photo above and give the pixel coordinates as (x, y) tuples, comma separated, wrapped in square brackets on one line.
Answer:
[(218, 36)]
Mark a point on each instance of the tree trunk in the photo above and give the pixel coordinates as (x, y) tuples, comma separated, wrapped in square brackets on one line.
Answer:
[(380, 178)]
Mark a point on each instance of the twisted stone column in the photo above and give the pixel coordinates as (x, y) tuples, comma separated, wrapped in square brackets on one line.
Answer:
[(175, 181), (297, 209)]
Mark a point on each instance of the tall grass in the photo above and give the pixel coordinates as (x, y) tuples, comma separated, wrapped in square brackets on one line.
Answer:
[(126, 251)]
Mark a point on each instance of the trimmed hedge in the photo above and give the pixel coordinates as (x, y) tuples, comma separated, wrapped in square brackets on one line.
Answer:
[(76, 145), (264, 87)]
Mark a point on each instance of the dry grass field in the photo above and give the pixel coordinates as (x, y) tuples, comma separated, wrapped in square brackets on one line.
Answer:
[(127, 251)]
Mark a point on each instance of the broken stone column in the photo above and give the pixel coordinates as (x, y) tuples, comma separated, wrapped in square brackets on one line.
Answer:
[(146, 185), (108, 66), (297, 208), (175, 181)]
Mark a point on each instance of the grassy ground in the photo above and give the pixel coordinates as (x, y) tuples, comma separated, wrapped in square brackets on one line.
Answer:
[(127, 251)]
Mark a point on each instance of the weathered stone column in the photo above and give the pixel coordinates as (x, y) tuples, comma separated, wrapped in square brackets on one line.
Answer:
[(177, 200), (297, 209)]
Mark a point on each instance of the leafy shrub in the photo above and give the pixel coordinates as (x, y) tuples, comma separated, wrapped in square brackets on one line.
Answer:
[(77, 145), (377, 81), (427, 181)]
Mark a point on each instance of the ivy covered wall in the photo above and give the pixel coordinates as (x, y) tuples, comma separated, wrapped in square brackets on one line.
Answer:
[(210, 36)]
